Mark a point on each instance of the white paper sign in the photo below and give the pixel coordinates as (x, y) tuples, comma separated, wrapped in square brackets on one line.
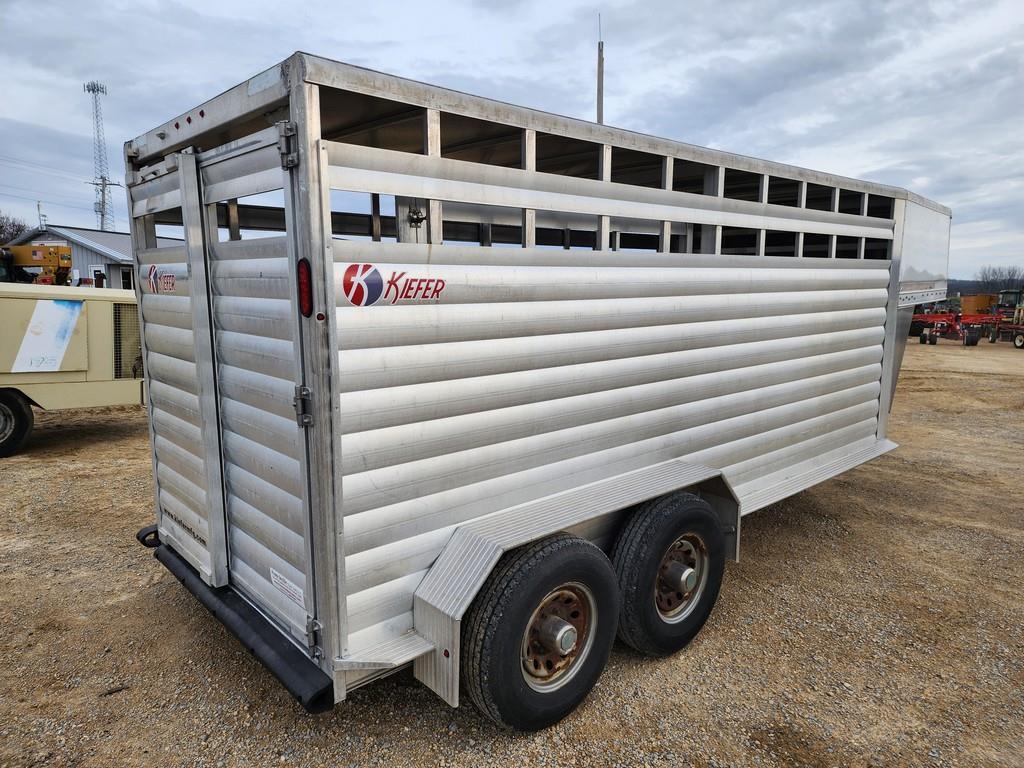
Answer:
[(47, 337)]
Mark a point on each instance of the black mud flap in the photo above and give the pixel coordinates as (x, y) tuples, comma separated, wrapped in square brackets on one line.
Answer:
[(296, 671)]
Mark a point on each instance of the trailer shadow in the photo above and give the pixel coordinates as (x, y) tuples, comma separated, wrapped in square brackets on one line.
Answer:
[(68, 432)]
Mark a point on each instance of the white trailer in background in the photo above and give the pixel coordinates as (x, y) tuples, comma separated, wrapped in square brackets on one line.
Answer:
[(421, 351)]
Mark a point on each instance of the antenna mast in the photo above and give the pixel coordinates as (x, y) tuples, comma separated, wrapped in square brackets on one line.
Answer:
[(101, 171), (600, 72)]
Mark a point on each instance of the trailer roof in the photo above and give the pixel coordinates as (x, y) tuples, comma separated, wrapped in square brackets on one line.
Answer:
[(258, 100)]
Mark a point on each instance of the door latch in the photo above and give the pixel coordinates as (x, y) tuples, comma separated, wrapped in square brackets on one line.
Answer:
[(303, 404), (286, 132), (313, 629)]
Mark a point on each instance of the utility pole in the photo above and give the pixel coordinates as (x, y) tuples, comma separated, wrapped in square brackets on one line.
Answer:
[(39, 212), (101, 171), (600, 72)]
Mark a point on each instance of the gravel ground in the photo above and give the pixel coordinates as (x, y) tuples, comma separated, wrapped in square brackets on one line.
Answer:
[(874, 620)]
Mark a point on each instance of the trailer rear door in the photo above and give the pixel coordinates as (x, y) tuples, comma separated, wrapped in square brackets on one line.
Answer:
[(224, 367)]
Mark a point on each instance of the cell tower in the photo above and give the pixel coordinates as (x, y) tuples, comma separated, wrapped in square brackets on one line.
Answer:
[(101, 172)]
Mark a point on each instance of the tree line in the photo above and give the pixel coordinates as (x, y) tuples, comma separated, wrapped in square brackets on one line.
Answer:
[(993, 279)]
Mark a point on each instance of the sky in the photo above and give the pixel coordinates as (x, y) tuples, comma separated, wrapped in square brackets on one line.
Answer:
[(923, 95)]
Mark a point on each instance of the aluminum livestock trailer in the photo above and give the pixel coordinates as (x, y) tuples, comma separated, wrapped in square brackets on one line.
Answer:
[(442, 381)]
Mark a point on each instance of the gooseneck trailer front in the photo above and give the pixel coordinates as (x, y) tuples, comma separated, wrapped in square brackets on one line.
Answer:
[(442, 381)]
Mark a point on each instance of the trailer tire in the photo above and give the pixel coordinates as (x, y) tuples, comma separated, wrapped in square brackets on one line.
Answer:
[(16, 421), (680, 532), (1018, 340), (993, 337), (923, 338), (933, 339), (502, 630)]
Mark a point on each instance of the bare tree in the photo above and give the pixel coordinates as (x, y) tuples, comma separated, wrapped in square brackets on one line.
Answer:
[(10, 227), (995, 279)]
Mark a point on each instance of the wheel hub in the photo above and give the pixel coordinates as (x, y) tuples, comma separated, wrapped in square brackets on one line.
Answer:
[(558, 636), (681, 577), (6, 422)]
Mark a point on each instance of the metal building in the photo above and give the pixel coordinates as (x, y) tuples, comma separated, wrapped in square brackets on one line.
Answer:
[(92, 251)]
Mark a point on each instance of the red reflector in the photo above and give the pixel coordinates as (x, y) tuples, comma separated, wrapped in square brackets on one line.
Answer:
[(305, 288)]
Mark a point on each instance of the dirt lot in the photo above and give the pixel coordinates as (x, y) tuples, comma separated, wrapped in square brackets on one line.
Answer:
[(877, 619)]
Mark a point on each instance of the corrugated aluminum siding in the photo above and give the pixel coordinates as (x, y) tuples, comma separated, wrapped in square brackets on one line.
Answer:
[(175, 415), (521, 375), (255, 345)]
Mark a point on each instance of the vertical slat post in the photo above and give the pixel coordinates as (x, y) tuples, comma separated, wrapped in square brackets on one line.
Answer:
[(409, 224), (762, 197), (528, 162), (604, 223), (202, 335), (308, 221), (234, 230), (432, 142), (375, 228), (862, 241), (665, 234), (801, 202), (832, 239), (711, 234)]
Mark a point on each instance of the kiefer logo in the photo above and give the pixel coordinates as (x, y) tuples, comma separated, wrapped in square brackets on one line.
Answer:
[(363, 285), (160, 283)]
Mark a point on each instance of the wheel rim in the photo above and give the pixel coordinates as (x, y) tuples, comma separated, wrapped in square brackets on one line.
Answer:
[(682, 574), (558, 637), (6, 423)]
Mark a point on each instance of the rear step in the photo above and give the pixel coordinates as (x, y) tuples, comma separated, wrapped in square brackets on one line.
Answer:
[(313, 689), (390, 655)]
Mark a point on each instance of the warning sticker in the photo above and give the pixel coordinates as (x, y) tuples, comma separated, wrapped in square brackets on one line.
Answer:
[(290, 589)]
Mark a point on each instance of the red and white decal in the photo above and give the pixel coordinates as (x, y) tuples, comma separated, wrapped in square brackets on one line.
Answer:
[(365, 284), (160, 283)]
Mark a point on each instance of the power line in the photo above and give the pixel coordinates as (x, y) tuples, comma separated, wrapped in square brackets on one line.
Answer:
[(30, 162), (40, 167), (43, 192), (50, 202)]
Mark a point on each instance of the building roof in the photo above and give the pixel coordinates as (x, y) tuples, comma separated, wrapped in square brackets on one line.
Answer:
[(114, 245)]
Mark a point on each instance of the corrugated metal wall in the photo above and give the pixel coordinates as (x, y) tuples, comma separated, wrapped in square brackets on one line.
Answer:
[(175, 415), (519, 376), (263, 475), (84, 259)]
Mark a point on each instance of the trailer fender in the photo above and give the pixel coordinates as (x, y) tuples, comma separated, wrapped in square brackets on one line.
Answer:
[(454, 579)]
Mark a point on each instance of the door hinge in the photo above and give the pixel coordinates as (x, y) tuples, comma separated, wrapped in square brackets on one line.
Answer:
[(313, 629), (303, 404), (286, 132)]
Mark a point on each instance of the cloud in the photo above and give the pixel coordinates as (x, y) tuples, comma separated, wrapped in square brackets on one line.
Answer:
[(925, 95)]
